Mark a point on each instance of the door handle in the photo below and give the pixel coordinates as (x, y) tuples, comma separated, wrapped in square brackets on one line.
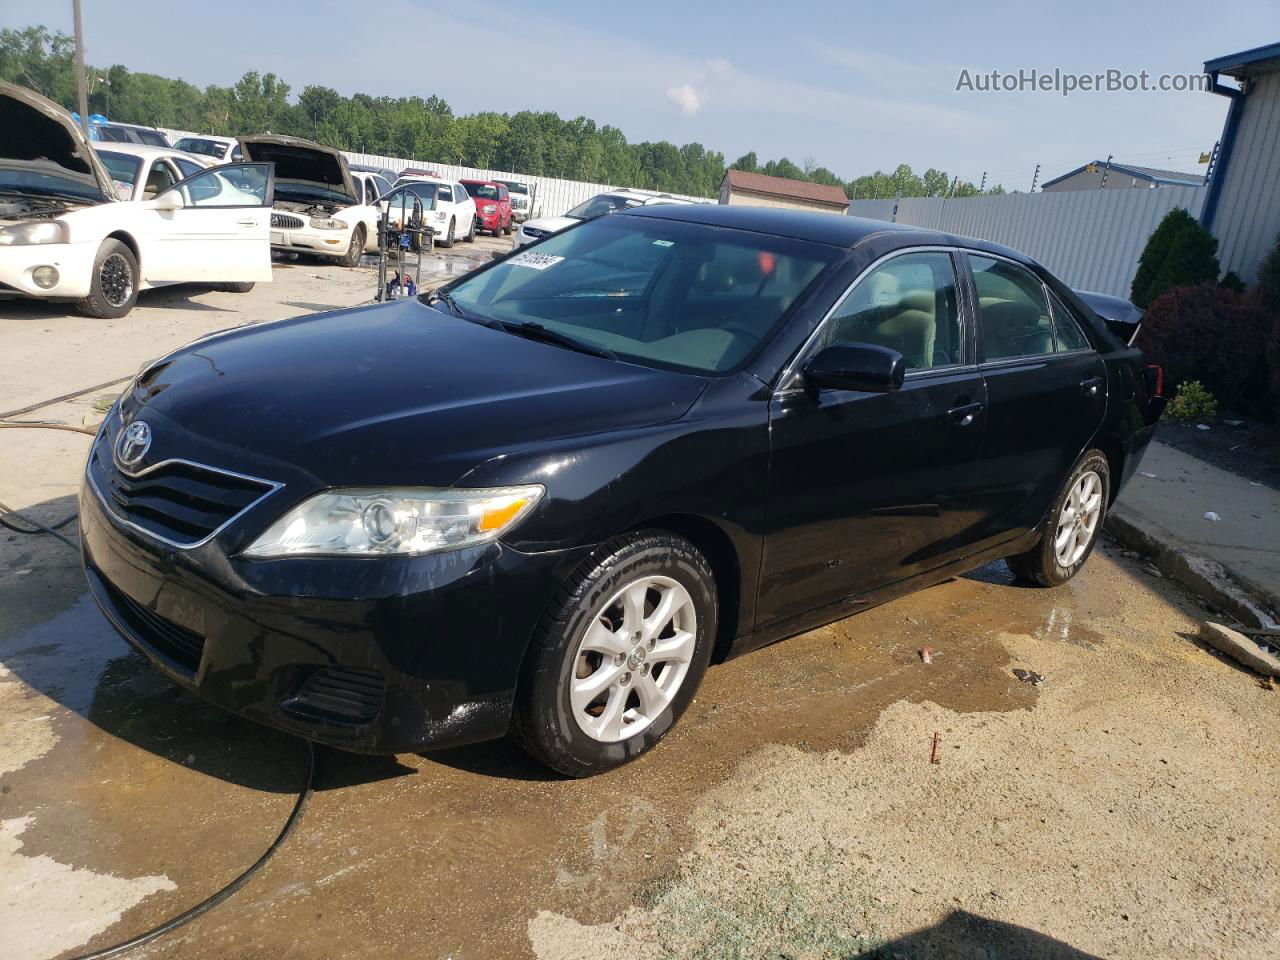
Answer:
[(965, 414), (247, 222), (1091, 386)]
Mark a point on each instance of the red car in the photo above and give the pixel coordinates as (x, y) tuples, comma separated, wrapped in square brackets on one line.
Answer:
[(493, 205)]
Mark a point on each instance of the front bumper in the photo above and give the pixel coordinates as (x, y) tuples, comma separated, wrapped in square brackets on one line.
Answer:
[(73, 261), (372, 655), (325, 243)]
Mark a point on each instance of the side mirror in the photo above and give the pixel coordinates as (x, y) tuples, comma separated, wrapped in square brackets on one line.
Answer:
[(169, 200), (857, 366)]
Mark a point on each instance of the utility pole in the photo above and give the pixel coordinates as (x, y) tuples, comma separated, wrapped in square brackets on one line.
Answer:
[(81, 94), (983, 188), (1105, 171), (1035, 178)]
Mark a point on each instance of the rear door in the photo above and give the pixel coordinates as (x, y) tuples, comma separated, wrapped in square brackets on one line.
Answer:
[(866, 489), (221, 233), (1046, 391)]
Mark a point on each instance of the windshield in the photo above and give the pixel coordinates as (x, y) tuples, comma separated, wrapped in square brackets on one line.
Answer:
[(515, 187), (484, 191), (208, 148), (123, 169), (658, 292), (599, 206), (403, 196), (44, 179)]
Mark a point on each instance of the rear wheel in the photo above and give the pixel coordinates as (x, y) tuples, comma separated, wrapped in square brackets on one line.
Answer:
[(113, 289), (1076, 521), (507, 228), (241, 287), (448, 240), (471, 232), (619, 655)]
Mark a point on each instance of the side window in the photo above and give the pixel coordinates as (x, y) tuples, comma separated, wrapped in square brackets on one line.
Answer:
[(1067, 332), (188, 168), (459, 193), (909, 304), (159, 179), (236, 155), (502, 192), (244, 185), (1014, 312), (370, 190)]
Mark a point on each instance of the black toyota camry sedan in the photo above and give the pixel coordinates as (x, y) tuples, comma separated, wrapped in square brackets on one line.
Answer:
[(542, 499)]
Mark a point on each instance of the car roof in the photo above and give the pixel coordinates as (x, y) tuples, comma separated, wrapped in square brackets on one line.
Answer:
[(415, 178), (205, 136), (836, 230), (139, 149), (492, 183)]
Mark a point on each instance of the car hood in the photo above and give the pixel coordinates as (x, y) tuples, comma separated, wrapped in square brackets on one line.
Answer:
[(36, 134), (398, 393), (552, 224), (301, 164)]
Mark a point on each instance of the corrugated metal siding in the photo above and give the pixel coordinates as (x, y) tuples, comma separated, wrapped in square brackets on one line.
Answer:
[(1091, 239), (1248, 215), (552, 196)]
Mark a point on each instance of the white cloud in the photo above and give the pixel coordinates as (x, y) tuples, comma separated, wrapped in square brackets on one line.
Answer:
[(685, 98)]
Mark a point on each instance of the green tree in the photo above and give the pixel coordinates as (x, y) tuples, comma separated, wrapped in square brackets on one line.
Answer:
[(1179, 253)]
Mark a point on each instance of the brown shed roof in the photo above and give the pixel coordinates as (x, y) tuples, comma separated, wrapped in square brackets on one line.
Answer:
[(782, 187)]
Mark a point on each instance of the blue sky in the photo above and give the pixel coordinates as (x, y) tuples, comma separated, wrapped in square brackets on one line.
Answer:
[(855, 86)]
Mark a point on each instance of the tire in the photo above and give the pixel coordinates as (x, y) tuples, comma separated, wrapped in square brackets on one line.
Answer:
[(507, 229), (448, 240), (655, 566), (114, 288), (243, 287), (471, 232), (355, 250), (1069, 536)]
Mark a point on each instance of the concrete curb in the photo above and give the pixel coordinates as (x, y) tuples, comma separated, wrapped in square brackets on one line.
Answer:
[(1246, 601)]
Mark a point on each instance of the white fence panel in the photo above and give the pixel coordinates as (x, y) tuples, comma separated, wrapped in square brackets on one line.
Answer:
[(1091, 239), (551, 196)]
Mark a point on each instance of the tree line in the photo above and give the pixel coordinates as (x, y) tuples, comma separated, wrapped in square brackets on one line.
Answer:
[(535, 143)]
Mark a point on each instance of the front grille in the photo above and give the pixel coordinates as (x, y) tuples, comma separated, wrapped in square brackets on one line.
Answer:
[(178, 502), (282, 221), (339, 695), (176, 644)]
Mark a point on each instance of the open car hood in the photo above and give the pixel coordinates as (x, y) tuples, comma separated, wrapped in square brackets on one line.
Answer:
[(36, 133), (301, 162)]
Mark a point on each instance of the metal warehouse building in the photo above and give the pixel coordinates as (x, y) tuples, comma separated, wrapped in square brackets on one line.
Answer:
[(1116, 176), (1242, 206), (760, 190)]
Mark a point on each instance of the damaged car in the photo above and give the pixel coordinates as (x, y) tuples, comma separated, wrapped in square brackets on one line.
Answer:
[(66, 235), (319, 209)]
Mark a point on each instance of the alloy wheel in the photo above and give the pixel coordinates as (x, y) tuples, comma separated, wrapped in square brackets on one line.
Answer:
[(117, 280), (632, 658), (1078, 520)]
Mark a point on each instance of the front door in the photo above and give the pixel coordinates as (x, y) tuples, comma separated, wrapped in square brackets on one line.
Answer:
[(1046, 392), (220, 232), (866, 489)]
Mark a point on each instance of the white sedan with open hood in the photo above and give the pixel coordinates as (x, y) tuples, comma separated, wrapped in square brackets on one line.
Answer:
[(318, 209), (64, 234)]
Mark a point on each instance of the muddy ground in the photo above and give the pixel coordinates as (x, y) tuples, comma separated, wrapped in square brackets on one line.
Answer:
[(1128, 807)]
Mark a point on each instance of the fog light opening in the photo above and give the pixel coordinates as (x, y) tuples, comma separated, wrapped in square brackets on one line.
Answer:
[(45, 277)]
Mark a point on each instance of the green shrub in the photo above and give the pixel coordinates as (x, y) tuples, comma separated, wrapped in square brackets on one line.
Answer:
[(1231, 281), (1178, 253), (1192, 402), (1268, 288)]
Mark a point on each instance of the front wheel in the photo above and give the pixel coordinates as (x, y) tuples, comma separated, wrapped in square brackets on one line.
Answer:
[(355, 249), (619, 655), (113, 289), (1075, 523)]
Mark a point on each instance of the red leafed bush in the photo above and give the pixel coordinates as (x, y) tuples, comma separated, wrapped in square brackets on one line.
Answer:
[(1217, 336)]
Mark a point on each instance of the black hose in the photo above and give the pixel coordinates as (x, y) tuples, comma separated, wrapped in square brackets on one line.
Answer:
[(204, 906), (40, 527)]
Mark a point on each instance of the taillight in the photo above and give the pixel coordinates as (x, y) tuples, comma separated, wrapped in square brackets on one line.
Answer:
[(1153, 374)]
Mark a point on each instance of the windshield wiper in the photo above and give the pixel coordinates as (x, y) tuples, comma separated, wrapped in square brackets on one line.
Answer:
[(536, 331), (441, 296)]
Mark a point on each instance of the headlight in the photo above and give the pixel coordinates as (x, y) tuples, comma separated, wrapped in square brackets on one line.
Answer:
[(405, 521), (324, 223), (441, 214), (490, 208), (46, 231)]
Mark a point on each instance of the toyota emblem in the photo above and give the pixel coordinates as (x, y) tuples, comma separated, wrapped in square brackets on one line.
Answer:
[(134, 442)]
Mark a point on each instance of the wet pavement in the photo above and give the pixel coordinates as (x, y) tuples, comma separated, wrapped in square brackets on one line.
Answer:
[(124, 800)]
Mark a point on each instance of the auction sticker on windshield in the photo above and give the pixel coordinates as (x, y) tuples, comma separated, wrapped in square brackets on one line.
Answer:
[(537, 261)]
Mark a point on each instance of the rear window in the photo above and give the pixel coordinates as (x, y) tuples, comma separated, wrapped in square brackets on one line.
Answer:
[(152, 137), (208, 148)]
